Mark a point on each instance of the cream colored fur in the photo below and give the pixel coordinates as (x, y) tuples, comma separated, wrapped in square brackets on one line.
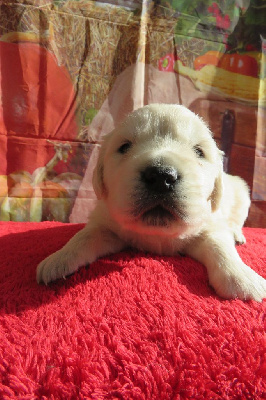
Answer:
[(201, 214)]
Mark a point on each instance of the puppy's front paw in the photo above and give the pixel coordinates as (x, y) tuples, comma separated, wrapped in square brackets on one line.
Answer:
[(239, 282), (239, 237), (56, 266)]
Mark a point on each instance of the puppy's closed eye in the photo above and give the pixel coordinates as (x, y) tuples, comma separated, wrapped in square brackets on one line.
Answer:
[(124, 147)]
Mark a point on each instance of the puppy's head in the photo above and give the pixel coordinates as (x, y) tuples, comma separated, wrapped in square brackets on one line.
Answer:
[(160, 172)]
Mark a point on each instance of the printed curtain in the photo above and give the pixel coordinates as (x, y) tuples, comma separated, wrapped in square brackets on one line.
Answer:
[(70, 70)]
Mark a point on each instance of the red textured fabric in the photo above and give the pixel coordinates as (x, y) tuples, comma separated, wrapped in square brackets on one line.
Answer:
[(130, 326)]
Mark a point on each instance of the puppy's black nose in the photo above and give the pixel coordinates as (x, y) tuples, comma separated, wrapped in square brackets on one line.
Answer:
[(160, 179)]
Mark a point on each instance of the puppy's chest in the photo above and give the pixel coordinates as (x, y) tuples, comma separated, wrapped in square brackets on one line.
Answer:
[(155, 244)]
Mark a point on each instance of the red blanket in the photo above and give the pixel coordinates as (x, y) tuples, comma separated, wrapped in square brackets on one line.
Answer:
[(130, 326)]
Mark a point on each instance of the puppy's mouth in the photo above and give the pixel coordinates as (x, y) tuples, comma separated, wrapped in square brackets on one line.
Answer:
[(157, 210), (158, 216)]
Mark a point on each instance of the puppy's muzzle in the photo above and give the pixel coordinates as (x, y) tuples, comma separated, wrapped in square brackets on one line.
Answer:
[(156, 201), (158, 179)]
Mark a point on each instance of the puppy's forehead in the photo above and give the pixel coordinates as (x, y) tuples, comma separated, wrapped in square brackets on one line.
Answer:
[(165, 120)]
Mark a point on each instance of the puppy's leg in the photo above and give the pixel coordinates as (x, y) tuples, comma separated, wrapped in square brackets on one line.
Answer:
[(228, 274), (85, 247)]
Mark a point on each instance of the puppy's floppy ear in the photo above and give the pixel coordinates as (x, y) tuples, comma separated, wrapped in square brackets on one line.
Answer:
[(216, 195), (98, 173)]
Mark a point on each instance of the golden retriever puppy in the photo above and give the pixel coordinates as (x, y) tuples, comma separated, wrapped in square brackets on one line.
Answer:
[(161, 188)]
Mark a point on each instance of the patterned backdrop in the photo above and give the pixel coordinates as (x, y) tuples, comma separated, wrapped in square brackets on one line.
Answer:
[(71, 70)]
